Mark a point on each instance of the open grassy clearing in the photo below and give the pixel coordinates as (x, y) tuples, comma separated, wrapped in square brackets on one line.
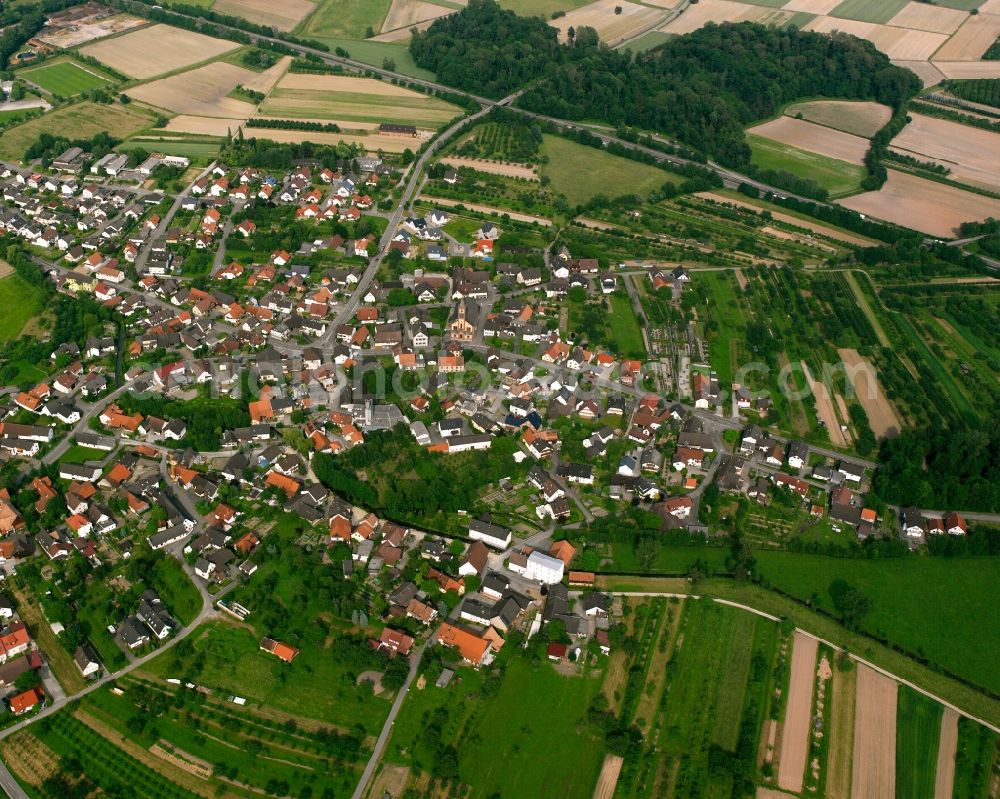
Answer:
[(346, 100), (345, 19), (84, 119), (65, 77), (156, 50), (375, 53), (918, 730), (837, 177), (725, 310), (625, 327), (581, 173), (19, 301)]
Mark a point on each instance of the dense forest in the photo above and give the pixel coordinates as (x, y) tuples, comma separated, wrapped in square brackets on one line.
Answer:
[(702, 88)]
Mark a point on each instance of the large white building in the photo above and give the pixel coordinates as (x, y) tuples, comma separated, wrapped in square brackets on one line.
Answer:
[(544, 568), (493, 535)]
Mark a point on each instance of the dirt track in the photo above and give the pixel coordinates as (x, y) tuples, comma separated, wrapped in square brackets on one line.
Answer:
[(874, 736), (795, 734), (948, 745), (609, 777)]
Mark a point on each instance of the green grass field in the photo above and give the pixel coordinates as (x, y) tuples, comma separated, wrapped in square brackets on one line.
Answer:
[(346, 19), (541, 8), (648, 41), (195, 150), (625, 328), (918, 730), (19, 301), (837, 177), (78, 454), (880, 11), (65, 77), (84, 119), (375, 53), (725, 311), (974, 759), (931, 606), (581, 173)]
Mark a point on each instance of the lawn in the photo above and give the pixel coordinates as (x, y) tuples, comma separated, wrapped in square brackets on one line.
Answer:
[(725, 312), (837, 177), (625, 328), (175, 588), (65, 77), (19, 301), (83, 119), (78, 454), (531, 738), (932, 606), (233, 662), (880, 11), (918, 730), (347, 19), (581, 173)]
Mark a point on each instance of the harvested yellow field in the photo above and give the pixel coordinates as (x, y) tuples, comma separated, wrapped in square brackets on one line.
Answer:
[(925, 17), (697, 16), (990, 7), (200, 92), (204, 126), (406, 13), (336, 97), (264, 81), (611, 27), (928, 73), (608, 778), (972, 39), (897, 43), (798, 713), (494, 167), (812, 6), (814, 138), (850, 116), (401, 34), (388, 144), (970, 153), (874, 737), (932, 208), (284, 15), (944, 777), (157, 49), (969, 70), (881, 413)]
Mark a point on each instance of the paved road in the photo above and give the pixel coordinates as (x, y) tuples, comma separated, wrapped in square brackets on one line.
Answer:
[(383, 737), (88, 411)]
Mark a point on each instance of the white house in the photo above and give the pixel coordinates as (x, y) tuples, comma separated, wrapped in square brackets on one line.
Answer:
[(492, 535), (544, 568)]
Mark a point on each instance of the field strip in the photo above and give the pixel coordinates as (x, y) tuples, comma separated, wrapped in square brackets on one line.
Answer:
[(795, 733), (838, 764), (609, 777), (487, 209), (182, 778), (874, 736), (947, 747), (648, 701), (31, 760), (493, 167), (882, 415), (824, 408), (865, 306)]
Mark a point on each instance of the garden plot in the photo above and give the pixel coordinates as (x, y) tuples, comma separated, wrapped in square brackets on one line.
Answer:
[(284, 16), (897, 43), (407, 13), (814, 138), (874, 736), (157, 49), (798, 713), (611, 26), (348, 100), (850, 116), (925, 17), (924, 205), (970, 153), (971, 40), (200, 92)]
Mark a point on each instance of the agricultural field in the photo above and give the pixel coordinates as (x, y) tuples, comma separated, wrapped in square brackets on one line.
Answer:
[(975, 758), (868, 10), (966, 151), (857, 118), (542, 8), (918, 731), (924, 205), (838, 177), (65, 77), (284, 15), (355, 103), (201, 92), (156, 50), (719, 11), (581, 173), (345, 19), (84, 119), (614, 20), (813, 138), (405, 14), (20, 301)]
